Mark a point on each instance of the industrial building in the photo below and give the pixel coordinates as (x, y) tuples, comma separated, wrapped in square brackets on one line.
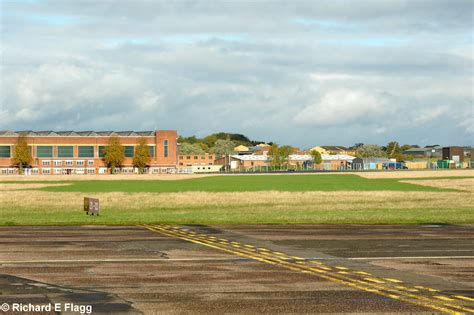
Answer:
[(82, 152)]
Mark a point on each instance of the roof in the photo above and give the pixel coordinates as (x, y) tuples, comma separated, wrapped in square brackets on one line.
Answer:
[(376, 160), (71, 133), (295, 157), (334, 148)]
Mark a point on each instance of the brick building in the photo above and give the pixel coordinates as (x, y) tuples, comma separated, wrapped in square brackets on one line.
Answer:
[(195, 159), (82, 152)]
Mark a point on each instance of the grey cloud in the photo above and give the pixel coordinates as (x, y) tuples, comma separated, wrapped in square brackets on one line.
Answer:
[(292, 72)]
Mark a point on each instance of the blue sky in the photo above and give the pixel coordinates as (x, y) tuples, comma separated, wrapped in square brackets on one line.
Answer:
[(303, 72)]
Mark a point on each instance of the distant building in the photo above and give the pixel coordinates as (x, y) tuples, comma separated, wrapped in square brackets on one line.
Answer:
[(373, 163), (82, 152), (195, 159), (455, 154), (424, 152), (332, 150)]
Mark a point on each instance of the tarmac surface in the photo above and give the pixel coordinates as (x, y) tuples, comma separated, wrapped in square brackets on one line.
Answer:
[(241, 269)]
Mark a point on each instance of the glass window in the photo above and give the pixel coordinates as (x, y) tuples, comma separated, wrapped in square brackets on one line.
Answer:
[(44, 151), (129, 150), (65, 151), (152, 151), (5, 151), (86, 151), (165, 147), (101, 151)]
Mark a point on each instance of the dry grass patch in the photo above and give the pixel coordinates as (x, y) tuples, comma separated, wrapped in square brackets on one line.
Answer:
[(247, 201), (466, 184), (417, 174), (11, 186)]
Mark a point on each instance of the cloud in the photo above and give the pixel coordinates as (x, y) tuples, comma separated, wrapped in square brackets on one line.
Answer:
[(301, 73), (341, 107)]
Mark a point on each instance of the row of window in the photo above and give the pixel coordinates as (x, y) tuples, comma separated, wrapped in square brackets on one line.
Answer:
[(67, 163), (46, 151), (203, 157)]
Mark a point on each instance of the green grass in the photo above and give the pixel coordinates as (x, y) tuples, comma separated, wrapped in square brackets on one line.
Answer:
[(245, 183), (367, 211)]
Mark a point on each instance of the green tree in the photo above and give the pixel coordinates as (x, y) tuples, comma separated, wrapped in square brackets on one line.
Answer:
[(369, 150), (190, 149), (22, 155), (223, 147), (317, 159), (393, 149), (114, 153), (141, 158), (279, 155)]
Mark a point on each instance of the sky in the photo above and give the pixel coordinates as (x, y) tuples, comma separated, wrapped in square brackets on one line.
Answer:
[(303, 73)]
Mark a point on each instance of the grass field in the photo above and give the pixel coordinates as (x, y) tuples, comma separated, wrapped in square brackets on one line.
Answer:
[(270, 199)]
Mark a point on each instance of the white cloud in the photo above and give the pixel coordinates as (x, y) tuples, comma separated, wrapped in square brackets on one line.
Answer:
[(341, 107)]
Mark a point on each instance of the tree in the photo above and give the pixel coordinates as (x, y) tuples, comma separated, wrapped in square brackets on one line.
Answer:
[(141, 158), (317, 159), (190, 149), (223, 147), (22, 155), (279, 155), (369, 150), (114, 153), (393, 149)]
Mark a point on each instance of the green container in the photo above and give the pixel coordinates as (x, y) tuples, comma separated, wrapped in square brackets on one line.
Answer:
[(443, 164)]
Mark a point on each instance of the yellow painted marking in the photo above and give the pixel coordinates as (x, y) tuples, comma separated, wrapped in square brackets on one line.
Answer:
[(301, 262), (341, 268), (374, 280), (440, 297), (249, 246), (278, 253), (363, 273), (432, 290), (263, 249), (393, 280), (325, 268), (235, 245), (405, 288), (297, 258), (369, 287), (462, 297)]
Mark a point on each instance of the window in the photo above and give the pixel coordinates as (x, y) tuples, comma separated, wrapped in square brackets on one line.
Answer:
[(58, 163), (65, 151), (5, 151), (46, 163), (57, 171), (80, 163), (195, 157), (129, 150), (181, 157), (46, 171), (101, 151), (44, 151), (165, 147), (86, 151), (80, 170), (188, 157), (91, 171), (203, 157), (69, 163), (152, 151), (90, 163)]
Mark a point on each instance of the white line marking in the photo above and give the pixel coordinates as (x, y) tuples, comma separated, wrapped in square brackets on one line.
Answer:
[(115, 260)]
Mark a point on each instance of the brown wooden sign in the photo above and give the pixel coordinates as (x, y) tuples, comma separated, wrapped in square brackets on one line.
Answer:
[(91, 205)]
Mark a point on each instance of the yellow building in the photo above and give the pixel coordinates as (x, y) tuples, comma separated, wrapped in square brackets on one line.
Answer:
[(241, 148), (332, 150)]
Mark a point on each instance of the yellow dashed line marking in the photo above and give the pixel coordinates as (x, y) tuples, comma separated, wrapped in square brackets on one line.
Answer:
[(341, 268), (374, 280), (466, 298), (379, 287), (297, 258), (393, 280), (440, 297)]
